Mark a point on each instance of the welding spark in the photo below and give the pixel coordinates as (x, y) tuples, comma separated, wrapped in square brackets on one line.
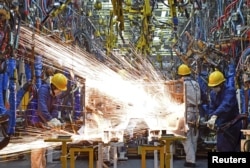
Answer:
[(138, 97)]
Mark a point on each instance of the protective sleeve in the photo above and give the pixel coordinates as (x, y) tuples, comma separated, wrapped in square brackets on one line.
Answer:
[(43, 98), (227, 103), (212, 103)]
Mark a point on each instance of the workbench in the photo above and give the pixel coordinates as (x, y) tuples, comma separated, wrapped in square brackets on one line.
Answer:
[(164, 147), (64, 142), (143, 151), (90, 151), (168, 140), (245, 143)]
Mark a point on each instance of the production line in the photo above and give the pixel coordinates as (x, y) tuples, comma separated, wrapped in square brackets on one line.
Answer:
[(124, 97)]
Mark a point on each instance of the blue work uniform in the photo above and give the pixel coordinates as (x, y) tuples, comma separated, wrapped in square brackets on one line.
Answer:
[(47, 103), (202, 80), (224, 105)]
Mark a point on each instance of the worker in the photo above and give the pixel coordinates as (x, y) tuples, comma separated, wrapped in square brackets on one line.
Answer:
[(192, 100), (48, 99), (223, 109), (47, 109)]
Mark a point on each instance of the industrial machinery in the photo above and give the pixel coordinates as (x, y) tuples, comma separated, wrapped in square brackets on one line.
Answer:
[(120, 58)]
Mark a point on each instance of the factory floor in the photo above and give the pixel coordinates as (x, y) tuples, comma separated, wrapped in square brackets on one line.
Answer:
[(83, 163)]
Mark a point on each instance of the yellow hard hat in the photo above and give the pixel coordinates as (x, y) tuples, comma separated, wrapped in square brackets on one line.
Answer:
[(98, 5), (183, 69), (60, 81), (215, 78)]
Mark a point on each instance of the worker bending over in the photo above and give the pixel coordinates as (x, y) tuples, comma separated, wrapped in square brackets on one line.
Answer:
[(223, 109), (47, 109)]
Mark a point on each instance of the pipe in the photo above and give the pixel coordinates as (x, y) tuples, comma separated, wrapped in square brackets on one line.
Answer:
[(83, 101), (21, 72), (12, 99), (28, 73), (243, 56), (240, 13), (38, 70), (246, 94), (31, 111), (231, 75), (26, 8), (77, 104), (115, 155), (2, 106), (242, 101), (33, 104), (19, 96), (100, 155), (155, 156)]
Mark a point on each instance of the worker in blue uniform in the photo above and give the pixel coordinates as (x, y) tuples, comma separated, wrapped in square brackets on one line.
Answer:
[(223, 109), (48, 94), (48, 99)]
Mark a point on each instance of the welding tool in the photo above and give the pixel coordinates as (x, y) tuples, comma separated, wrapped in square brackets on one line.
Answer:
[(54, 123), (57, 8), (173, 14), (143, 43), (225, 128), (116, 18), (211, 122)]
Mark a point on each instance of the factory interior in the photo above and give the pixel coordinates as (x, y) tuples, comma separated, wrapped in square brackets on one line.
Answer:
[(124, 100)]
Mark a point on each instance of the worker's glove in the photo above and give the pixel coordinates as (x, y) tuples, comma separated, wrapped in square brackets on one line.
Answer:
[(211, 122), (54, 123)]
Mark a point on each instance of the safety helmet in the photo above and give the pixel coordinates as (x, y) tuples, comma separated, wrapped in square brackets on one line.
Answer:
[(215, 78), (98, 5), (183, 69), (60, 81)]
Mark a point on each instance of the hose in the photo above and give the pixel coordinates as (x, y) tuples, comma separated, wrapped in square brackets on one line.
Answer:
[(39, 8), (232, 139), (26, 7), (240, 13), (44, 6)]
